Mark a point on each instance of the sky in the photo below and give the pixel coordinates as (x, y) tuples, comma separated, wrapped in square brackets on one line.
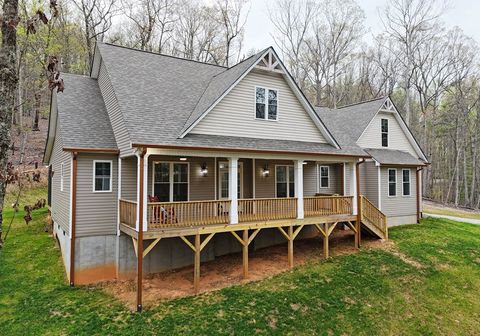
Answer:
[(258, 30)]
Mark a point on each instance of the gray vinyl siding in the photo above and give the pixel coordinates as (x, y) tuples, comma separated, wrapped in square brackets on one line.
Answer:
[(96, 211), (116, 118), (247, 178), (398, 205), (129, 178), (60, 199), (348, 178), (371, 138), (310, 179), (235, 113), (369, 181), (335, 179), (265, 186)]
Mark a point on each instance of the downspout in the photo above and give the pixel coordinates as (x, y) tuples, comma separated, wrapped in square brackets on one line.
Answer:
[(419, 215), (358, 236), (74, 218)]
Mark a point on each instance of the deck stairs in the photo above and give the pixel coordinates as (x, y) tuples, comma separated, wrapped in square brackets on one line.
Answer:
[(373, 220)]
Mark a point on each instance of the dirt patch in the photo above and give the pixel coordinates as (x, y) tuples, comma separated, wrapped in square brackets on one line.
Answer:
[(226, 270)]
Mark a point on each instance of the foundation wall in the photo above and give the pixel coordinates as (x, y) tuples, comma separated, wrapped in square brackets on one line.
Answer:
[(401, 220)]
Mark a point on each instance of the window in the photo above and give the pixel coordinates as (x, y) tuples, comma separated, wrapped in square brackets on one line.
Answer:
[(285, 181), (223, 189), (392, 182), (170, 181), (61, 177), (102, 171), (406, 182), (266, 104), (324, 176), (384, 132)]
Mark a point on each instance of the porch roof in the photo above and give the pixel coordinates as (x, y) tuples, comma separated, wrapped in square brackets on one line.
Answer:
[(394, 157), (233, 143)]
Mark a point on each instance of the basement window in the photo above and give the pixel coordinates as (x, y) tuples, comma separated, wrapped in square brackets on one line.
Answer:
[(384, 132), (102, 176), (392, 182), (266, 104)]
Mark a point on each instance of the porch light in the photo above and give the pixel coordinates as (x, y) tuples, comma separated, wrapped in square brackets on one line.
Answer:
[(266, 171), (204, 169), (183, 159)]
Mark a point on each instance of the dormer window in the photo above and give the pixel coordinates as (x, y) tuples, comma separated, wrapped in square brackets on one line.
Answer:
[(266, 104), (384, 132)]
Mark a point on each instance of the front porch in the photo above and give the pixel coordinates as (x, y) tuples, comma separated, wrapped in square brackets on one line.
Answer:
[(194, 198)]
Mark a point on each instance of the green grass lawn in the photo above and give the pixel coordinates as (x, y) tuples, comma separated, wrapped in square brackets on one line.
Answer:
[(428, 285)]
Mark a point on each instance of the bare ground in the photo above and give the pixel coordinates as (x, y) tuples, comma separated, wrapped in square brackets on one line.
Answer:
[(226, 270)]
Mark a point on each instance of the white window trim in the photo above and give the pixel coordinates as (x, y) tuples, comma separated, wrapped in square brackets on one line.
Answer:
[(328, 177), (61, 176), (111, 176), (266, 103), (409, 182), (170, 178), (219, 185), (288, 179), (388, 133), (388, 182)]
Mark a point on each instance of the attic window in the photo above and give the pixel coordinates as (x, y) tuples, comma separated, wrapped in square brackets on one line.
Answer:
[(266, 104), (384, 132)]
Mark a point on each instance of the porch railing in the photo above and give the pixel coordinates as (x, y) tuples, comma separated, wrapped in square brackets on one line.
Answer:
[(327, 205), (374, 216), (195, 213), (266, 208), (128, 212)]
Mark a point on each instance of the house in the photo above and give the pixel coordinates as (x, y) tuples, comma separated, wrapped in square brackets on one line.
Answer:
[(157, 160)]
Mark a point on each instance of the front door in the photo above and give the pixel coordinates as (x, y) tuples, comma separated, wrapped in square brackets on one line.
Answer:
[(223, 180)]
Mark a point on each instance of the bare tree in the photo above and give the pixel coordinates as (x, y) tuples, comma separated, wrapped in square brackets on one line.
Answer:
[(411, 23), (97, 18), (232, 16)]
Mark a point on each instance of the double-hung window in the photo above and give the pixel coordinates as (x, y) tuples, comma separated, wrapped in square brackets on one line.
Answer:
[(392, 182), (102, 176), (406, 182), (324, 176), (285, 181), (384, 132), (266, 104), (170, 181)]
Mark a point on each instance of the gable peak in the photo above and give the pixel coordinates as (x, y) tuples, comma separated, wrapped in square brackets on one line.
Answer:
[(270, 62)]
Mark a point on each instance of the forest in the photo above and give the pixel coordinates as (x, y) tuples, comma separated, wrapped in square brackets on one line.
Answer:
[(430, 70)]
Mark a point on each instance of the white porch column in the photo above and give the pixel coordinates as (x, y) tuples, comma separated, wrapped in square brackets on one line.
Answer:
[(353, 186), (145, 192), (233, 188), (299, 187)]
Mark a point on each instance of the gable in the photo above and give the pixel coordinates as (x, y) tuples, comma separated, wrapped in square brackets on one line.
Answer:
[(397, 139), (234, 115)]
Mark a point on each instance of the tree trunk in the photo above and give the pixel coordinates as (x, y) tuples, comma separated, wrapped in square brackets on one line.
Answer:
[(38, 102), (8, 87)]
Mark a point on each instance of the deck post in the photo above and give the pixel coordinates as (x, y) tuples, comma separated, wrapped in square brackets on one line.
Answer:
[(196, 271), (233, 188), (325, 242), (290, 246), (299, 187), (141, 160), (245, 254)]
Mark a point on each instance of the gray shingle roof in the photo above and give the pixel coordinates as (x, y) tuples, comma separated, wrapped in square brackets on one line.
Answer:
[(84, 122), (243, 143), (218, 85), (394, 157), (347, 123)]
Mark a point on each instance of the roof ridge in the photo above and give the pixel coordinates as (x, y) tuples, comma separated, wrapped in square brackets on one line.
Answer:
[(359, 103), (165, 55)]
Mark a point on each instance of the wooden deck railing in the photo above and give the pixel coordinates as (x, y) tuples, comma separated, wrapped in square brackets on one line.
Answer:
[(327, 205), (195, 213), (128, 212), (266, 209), (377, 218)]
